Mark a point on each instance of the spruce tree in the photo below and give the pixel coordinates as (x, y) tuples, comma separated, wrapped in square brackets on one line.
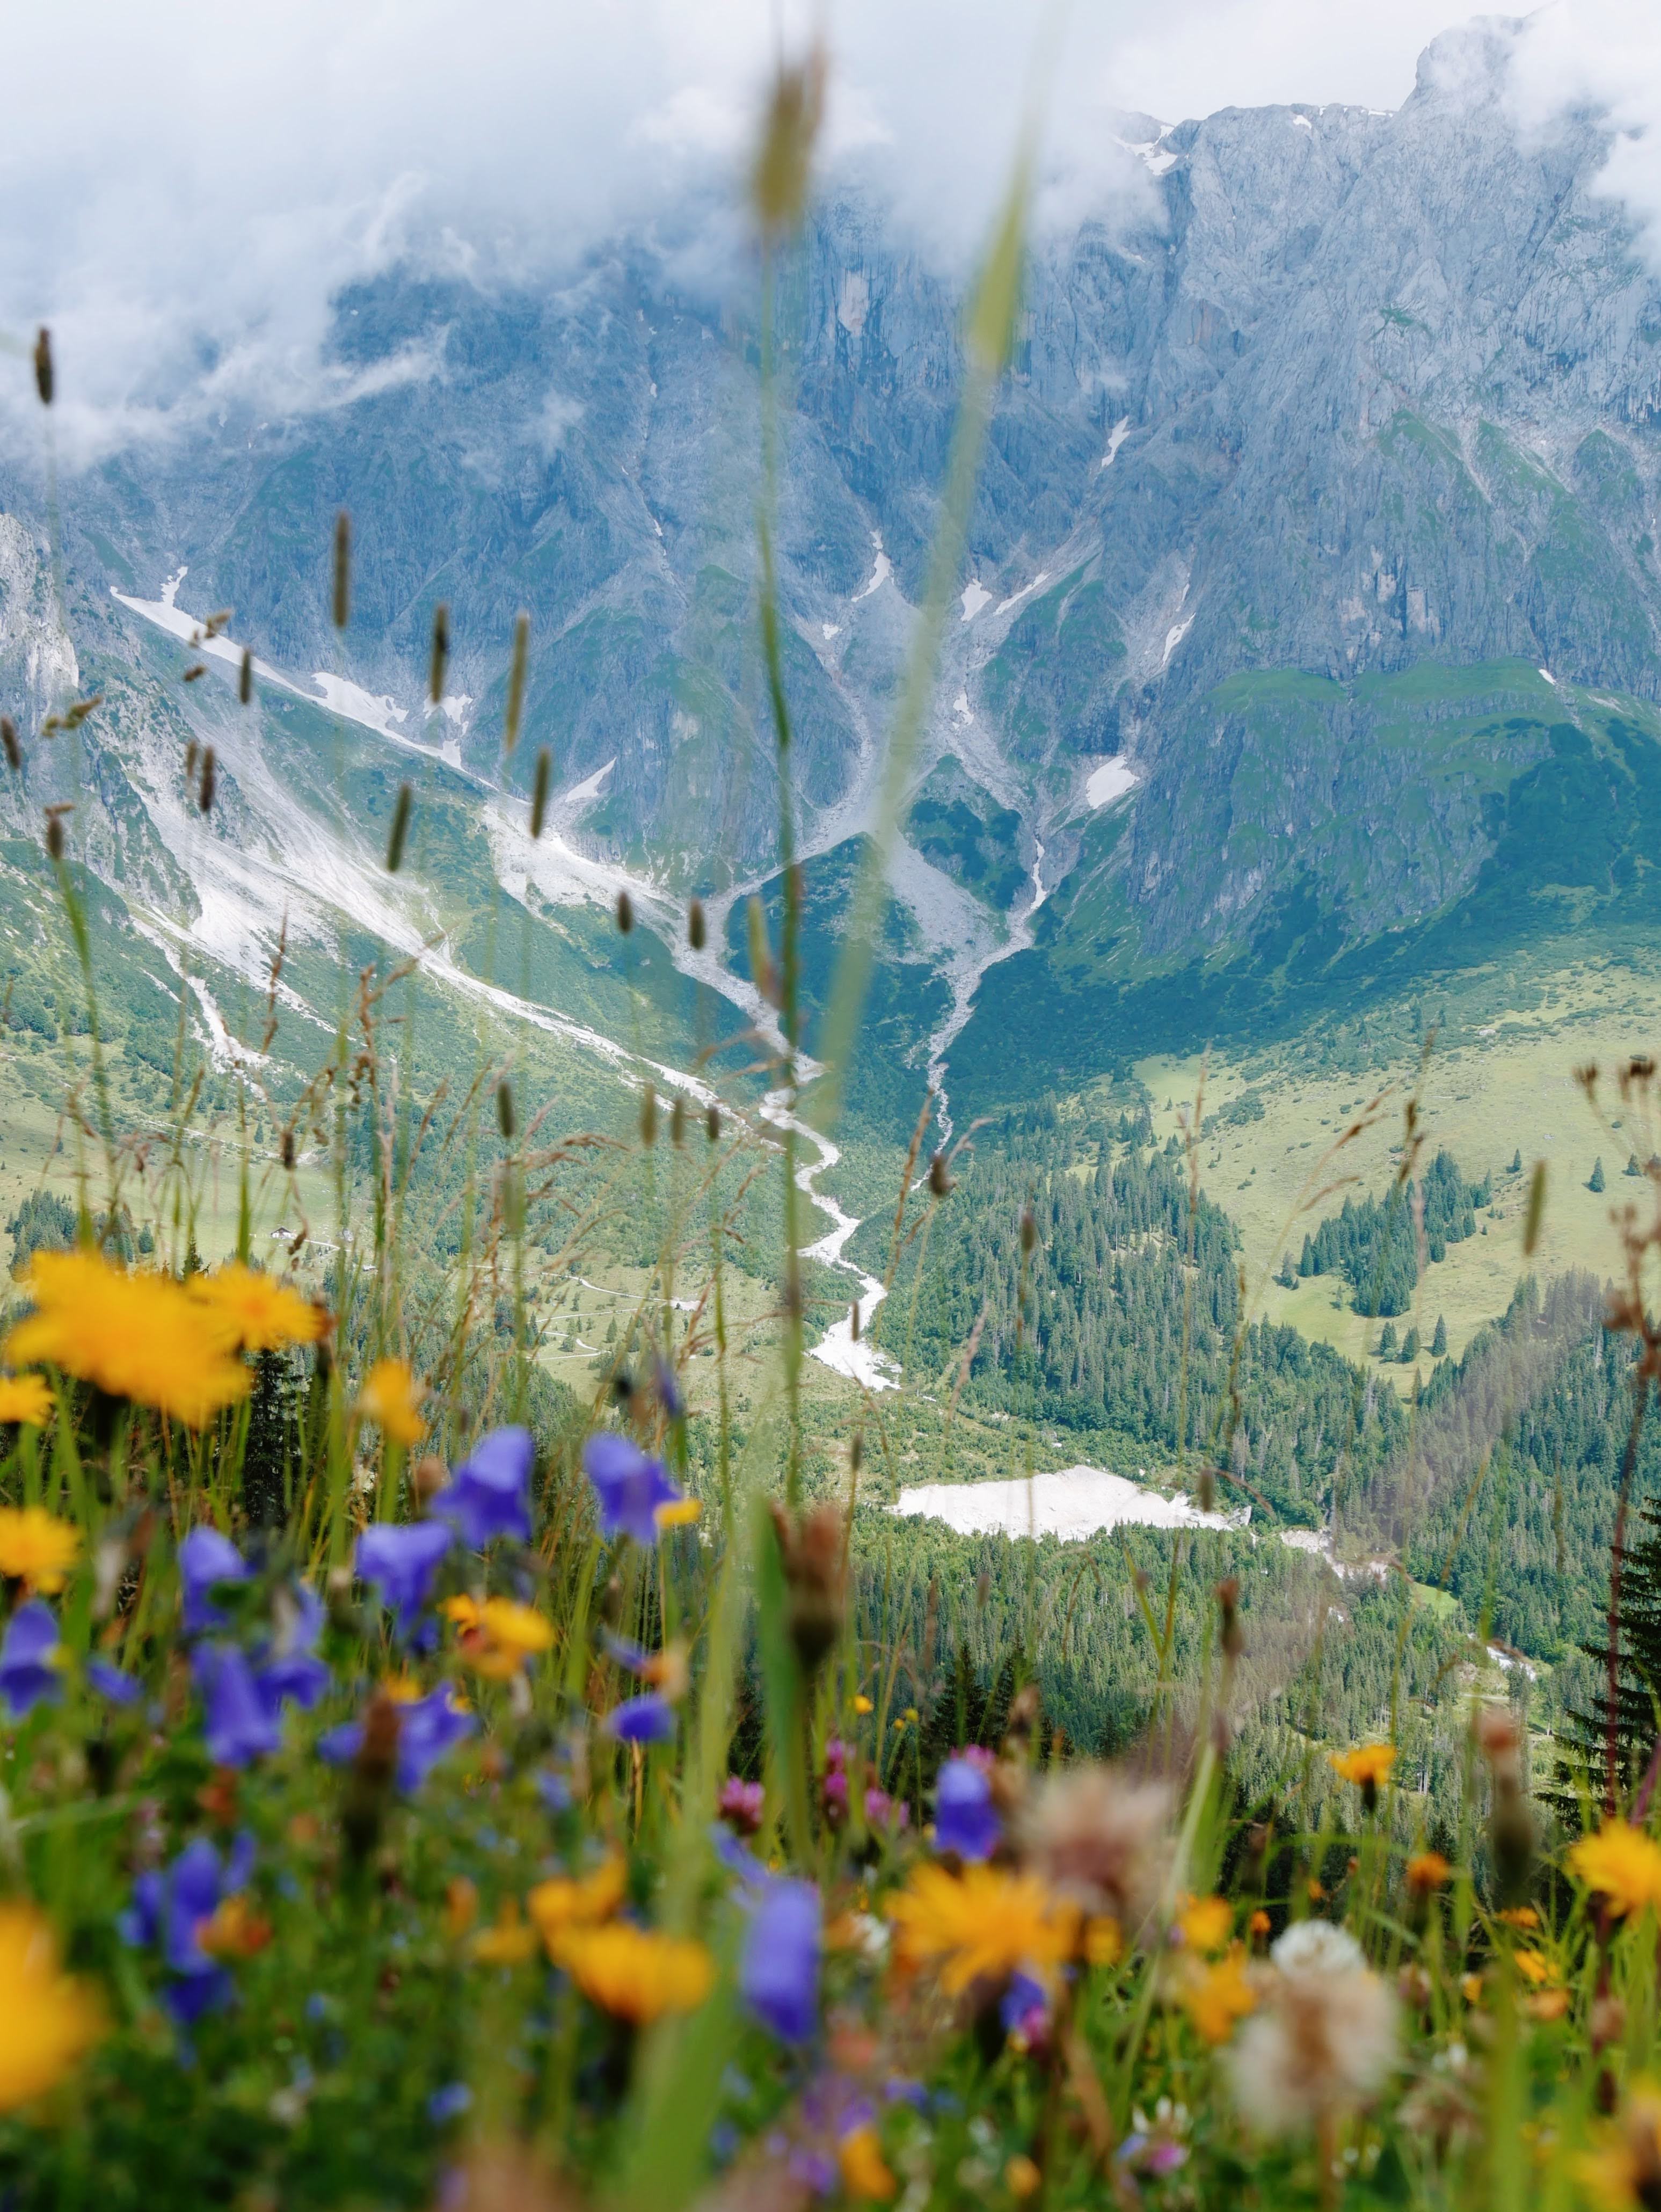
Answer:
[(1388, 1341), (1517, 1161), (1585, 1735), (1438, 1342), (270, 1454), (1597, 1181), (1631, 1167), (1410, 1348)]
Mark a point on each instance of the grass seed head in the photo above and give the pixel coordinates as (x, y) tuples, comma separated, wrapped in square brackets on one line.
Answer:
[(505, 1118), (343, 593), (713, 1122), (778, 182), (9, 739), (441, 653), (516, 678), (695, 933), (245, 682), (625, 912), (394, 843), (539, 791), (204, 796), (45, 379)]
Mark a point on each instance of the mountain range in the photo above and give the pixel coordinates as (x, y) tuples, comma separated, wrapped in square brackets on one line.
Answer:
[(1305, 648)]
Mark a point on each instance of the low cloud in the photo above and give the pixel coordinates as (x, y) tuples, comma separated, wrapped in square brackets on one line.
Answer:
[(184, 205)]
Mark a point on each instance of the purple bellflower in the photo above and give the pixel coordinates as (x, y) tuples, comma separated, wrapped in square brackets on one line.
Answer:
[(168, 1912), (206, 1557), (778, 1970), (489, 1494), (399, 1561), (110, 1682), (426, 1728), (290, 1672), (629, 1486), (965, 1820), (242, 1726), (28, 1659), (646, 1719)]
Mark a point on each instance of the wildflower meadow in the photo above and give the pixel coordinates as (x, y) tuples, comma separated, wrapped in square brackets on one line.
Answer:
[(420, 1787)]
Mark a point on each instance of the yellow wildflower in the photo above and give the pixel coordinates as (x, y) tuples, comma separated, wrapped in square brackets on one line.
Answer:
[(1104, 1941), (1206, 1923), (248, 1311), (862, 1705), (1367, 1765), (135, 1335), (1622, 1864), (635, 1973), (1427, 1870), (391, 1397), (25, 1398), (983, 1921), (1518, 1915), (678, 1512), (1259, 1923), (1215, 1997), (562, 1907), (498, 1637), (35, 1548), (1624, 2173), (47, 2019), (235, 1930), (1535, 1967), (509, 1943), (461, 1906), (864, 2171), (1021, 2177)]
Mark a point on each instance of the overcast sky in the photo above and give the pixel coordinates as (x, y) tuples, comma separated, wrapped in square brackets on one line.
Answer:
[(184, 191)]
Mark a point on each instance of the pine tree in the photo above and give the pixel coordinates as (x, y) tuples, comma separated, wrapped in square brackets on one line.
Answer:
[(1631, 1167), (1517, 1161), (1438, 1342), (1596, 1181), (1388, 1341)]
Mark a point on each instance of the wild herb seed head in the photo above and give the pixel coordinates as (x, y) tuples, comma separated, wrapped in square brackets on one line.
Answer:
[(9, 739), (244, 686), (505, 1118), (649, 1116), (539, 791), (43, 379), (625, 912), (713, 1123), (696, 925), (204, 798)]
